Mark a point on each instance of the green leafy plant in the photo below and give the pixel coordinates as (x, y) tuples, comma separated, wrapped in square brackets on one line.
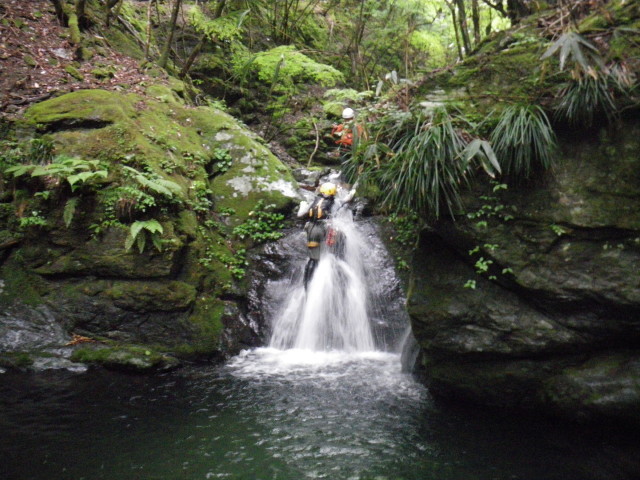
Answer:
[(76, 171), (262, 225), (202, 203), (35, 219), (222, 159), (140, 231), (235, 263), (558, 230), (407, 228), (427, 171), (470, 284), (223, 28), (572, 46), (70, 210), (583, 100), (524, 141), (284, 66), (153, 182)]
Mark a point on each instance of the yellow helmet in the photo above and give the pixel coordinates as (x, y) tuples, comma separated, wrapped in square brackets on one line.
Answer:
[(328, 189)]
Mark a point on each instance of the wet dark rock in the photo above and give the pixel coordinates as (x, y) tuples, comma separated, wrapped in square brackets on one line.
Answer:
[(554, 322)]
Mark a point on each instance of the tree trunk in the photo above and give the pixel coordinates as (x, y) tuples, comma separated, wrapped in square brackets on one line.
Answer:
[(475, 16), (196, 50), (517, 9), (496, 5), (164, 58), (80, 12), (464, 28), (455, 27), (147, 44), (57, 4), (192, 57), (108, 7)]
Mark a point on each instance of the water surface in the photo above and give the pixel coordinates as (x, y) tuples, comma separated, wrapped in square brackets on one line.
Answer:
[(272, 414)]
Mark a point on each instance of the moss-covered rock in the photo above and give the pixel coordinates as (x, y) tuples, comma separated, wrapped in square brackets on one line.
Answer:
[(166, 296), (525, 301), (132, 358), (166, 289)]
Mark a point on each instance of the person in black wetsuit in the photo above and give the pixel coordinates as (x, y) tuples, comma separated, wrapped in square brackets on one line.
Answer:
[(318, 231)]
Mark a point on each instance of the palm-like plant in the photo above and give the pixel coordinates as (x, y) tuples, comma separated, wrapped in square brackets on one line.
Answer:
[(524, 141), (582, 100), (428, 170), (426, 164)]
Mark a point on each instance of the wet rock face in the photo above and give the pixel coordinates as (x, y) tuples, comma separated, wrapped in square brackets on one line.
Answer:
[(64, 278), (554, 319)]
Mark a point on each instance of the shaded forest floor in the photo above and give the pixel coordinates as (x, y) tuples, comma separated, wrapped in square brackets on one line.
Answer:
[(37, 59)]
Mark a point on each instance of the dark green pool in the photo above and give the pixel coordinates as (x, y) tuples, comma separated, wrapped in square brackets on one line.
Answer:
[(279, 415)]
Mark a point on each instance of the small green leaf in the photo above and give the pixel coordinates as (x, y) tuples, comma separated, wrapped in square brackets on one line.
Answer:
[(70, 210)]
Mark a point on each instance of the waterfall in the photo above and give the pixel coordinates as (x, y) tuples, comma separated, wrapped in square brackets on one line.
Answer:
[(336, 310)]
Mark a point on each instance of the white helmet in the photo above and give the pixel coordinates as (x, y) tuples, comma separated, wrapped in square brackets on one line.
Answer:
[(348, 113)]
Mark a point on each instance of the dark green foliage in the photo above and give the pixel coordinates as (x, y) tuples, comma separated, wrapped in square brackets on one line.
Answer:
[(262, 225), (423, 169), (524, 141), (584, 100), (426, 172)]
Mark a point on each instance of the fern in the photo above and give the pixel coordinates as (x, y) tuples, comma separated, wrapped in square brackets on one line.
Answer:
[(224, 28), (155, 183), (70, 210), (152, 227), (76, 171)]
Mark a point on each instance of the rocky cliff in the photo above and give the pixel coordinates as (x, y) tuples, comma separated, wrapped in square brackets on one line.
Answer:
[(532, 298)]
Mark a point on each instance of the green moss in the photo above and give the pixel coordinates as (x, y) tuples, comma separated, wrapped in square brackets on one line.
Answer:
[(125, 357), (74, 72), (15, 360), (124, 43), (105, 72), (151, 296), (83, 105), (163, 93), (30, 61), (187, 223), (207, 319), (18, 284)]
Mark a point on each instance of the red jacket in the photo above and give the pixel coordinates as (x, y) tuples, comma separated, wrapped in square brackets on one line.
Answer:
[(344, 134)]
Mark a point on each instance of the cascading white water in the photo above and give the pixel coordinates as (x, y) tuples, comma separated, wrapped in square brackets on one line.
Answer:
[(331, 315)]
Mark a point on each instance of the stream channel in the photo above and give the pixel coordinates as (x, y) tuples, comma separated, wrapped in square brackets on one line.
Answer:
[(326, 399)]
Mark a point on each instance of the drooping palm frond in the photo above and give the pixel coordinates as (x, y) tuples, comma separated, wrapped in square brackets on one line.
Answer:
[(586, 99), (428, 171), (524, 141), (574, 47)]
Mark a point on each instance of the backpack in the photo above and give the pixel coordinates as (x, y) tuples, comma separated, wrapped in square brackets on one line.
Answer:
[(321, 208)]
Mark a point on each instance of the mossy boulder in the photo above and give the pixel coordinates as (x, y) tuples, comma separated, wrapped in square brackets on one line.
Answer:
[(255, 174), (129, 358), (166, 290), (533, 298)]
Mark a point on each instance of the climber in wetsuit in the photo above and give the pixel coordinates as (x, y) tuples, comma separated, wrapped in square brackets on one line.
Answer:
[(318, 231)]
